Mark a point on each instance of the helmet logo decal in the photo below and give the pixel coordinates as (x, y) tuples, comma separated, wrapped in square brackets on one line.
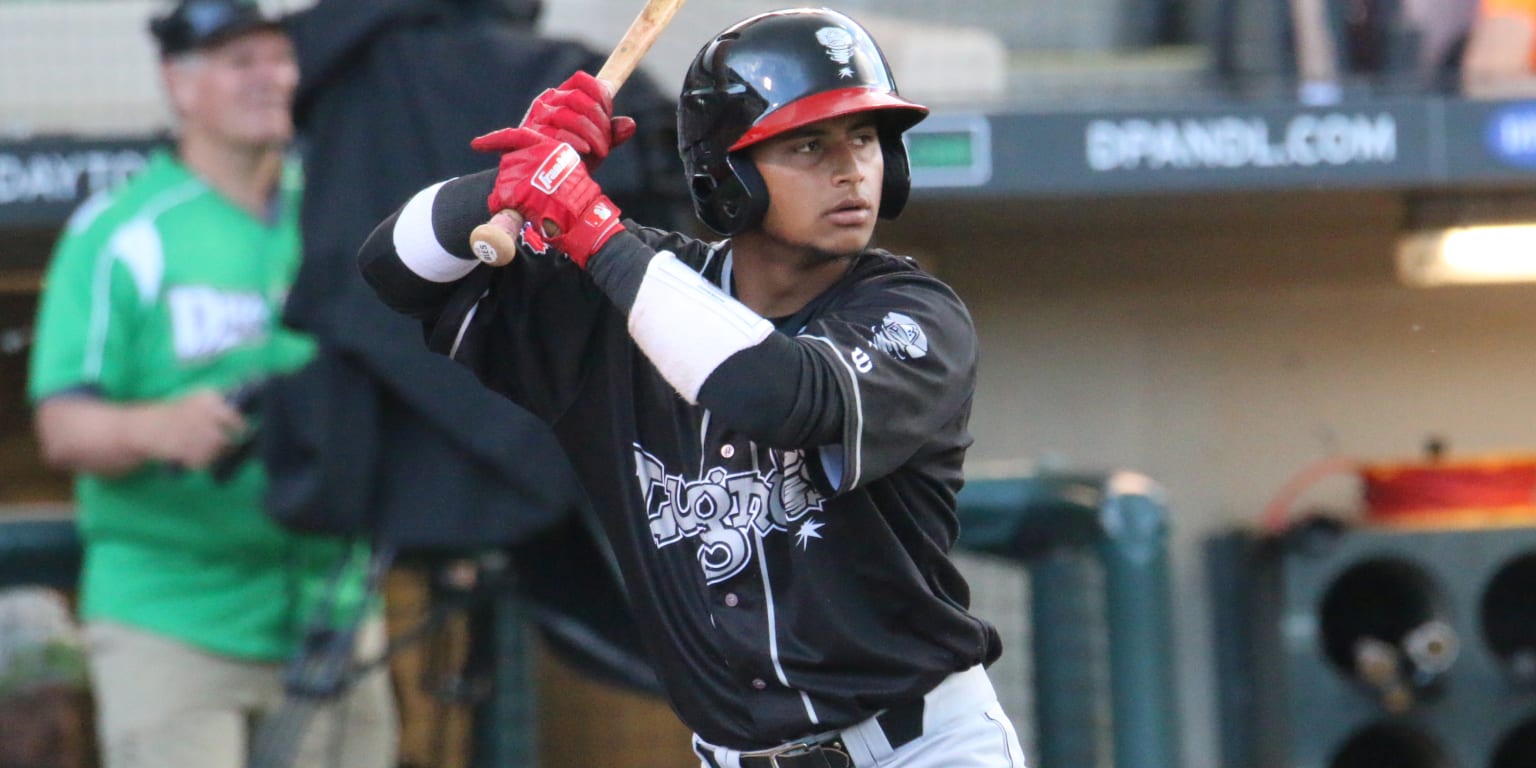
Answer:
[(839, 45)]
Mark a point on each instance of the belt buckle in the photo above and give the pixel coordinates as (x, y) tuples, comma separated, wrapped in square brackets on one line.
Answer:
[(798, 749), (810, 748)]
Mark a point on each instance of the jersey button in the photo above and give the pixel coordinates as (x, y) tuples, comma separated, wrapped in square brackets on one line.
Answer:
[(727, 451), (731, 600), (759, 684)]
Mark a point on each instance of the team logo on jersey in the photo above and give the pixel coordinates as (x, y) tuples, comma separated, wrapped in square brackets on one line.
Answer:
[(900, 337), (206, 321), (724, 512), (839, 45)]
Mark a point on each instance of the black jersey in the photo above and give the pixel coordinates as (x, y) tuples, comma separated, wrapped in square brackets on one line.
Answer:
[(791, 575)]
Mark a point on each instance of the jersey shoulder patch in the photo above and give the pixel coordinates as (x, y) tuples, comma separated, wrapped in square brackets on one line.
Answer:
[(899, 336)]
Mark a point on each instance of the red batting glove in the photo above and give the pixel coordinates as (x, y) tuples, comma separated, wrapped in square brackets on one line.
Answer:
[(578, 113), (546, 182)]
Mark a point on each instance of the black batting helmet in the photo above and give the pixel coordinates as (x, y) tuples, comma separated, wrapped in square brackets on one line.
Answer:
[(769, 74)]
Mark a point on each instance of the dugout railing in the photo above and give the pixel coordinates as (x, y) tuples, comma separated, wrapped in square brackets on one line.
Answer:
[(1095, 548)]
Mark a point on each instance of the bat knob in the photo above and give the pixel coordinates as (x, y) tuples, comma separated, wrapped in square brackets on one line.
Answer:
[(495, 242)]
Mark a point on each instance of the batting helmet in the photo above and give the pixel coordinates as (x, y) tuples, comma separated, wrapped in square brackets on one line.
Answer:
[(772, 73)]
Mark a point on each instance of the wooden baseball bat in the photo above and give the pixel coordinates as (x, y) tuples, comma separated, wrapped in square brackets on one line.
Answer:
[(495, 242)]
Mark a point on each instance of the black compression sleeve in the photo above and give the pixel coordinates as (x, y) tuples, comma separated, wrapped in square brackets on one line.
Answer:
[(458, 206), (619, 266), (779, 393)]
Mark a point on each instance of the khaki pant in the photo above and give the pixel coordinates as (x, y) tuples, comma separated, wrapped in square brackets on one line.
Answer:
[(164, 704)]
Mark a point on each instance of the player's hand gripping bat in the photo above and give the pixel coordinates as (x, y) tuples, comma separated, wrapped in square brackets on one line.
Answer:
[(495, 242)]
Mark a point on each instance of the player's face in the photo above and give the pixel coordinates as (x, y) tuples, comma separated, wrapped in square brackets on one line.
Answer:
[(239, 92), (824, 182)]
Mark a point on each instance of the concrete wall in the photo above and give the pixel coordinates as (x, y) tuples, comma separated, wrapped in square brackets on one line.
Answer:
[(1220, 346), (78, 67)]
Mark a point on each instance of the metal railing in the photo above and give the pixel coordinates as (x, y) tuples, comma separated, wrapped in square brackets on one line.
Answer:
[(1096, 550)]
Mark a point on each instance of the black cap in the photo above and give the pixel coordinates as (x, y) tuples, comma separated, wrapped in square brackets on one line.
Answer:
[(194, 24)]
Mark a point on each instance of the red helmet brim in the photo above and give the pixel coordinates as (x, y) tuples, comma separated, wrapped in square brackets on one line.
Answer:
[(828, 104)]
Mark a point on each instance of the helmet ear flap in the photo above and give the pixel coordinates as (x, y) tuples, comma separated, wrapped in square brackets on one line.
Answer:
[(734, 204), (897, 183)]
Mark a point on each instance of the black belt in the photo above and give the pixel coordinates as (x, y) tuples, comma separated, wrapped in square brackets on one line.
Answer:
[(901, 724)]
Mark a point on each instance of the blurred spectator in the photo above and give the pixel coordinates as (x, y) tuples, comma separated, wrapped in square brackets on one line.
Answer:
[(44, 710), (1500, 60), (1440, 29), (1417, 42), (161, 299)]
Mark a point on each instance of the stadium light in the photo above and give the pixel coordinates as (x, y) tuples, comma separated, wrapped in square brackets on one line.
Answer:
[(1504, 253)]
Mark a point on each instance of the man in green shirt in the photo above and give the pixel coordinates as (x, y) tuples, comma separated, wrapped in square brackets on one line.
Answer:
[(162, 297)]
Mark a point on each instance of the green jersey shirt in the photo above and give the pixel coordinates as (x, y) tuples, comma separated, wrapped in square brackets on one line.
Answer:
[(156, 289)]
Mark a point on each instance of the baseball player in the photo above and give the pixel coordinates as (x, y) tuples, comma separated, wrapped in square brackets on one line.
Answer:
[(773, 425)]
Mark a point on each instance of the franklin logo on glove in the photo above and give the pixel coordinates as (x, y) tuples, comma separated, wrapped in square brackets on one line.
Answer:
[(556, 168)]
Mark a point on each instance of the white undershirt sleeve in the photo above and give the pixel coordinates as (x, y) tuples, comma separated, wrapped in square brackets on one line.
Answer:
[(688, 327), (417, 245)]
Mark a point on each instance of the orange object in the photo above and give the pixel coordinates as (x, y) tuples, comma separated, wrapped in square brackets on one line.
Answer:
[(1525, 8), (1503, 13), (1485, 491)]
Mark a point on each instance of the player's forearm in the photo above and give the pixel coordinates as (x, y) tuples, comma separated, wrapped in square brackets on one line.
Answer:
[(84, 434), (688, 329), (716, 352), (414, 258)]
